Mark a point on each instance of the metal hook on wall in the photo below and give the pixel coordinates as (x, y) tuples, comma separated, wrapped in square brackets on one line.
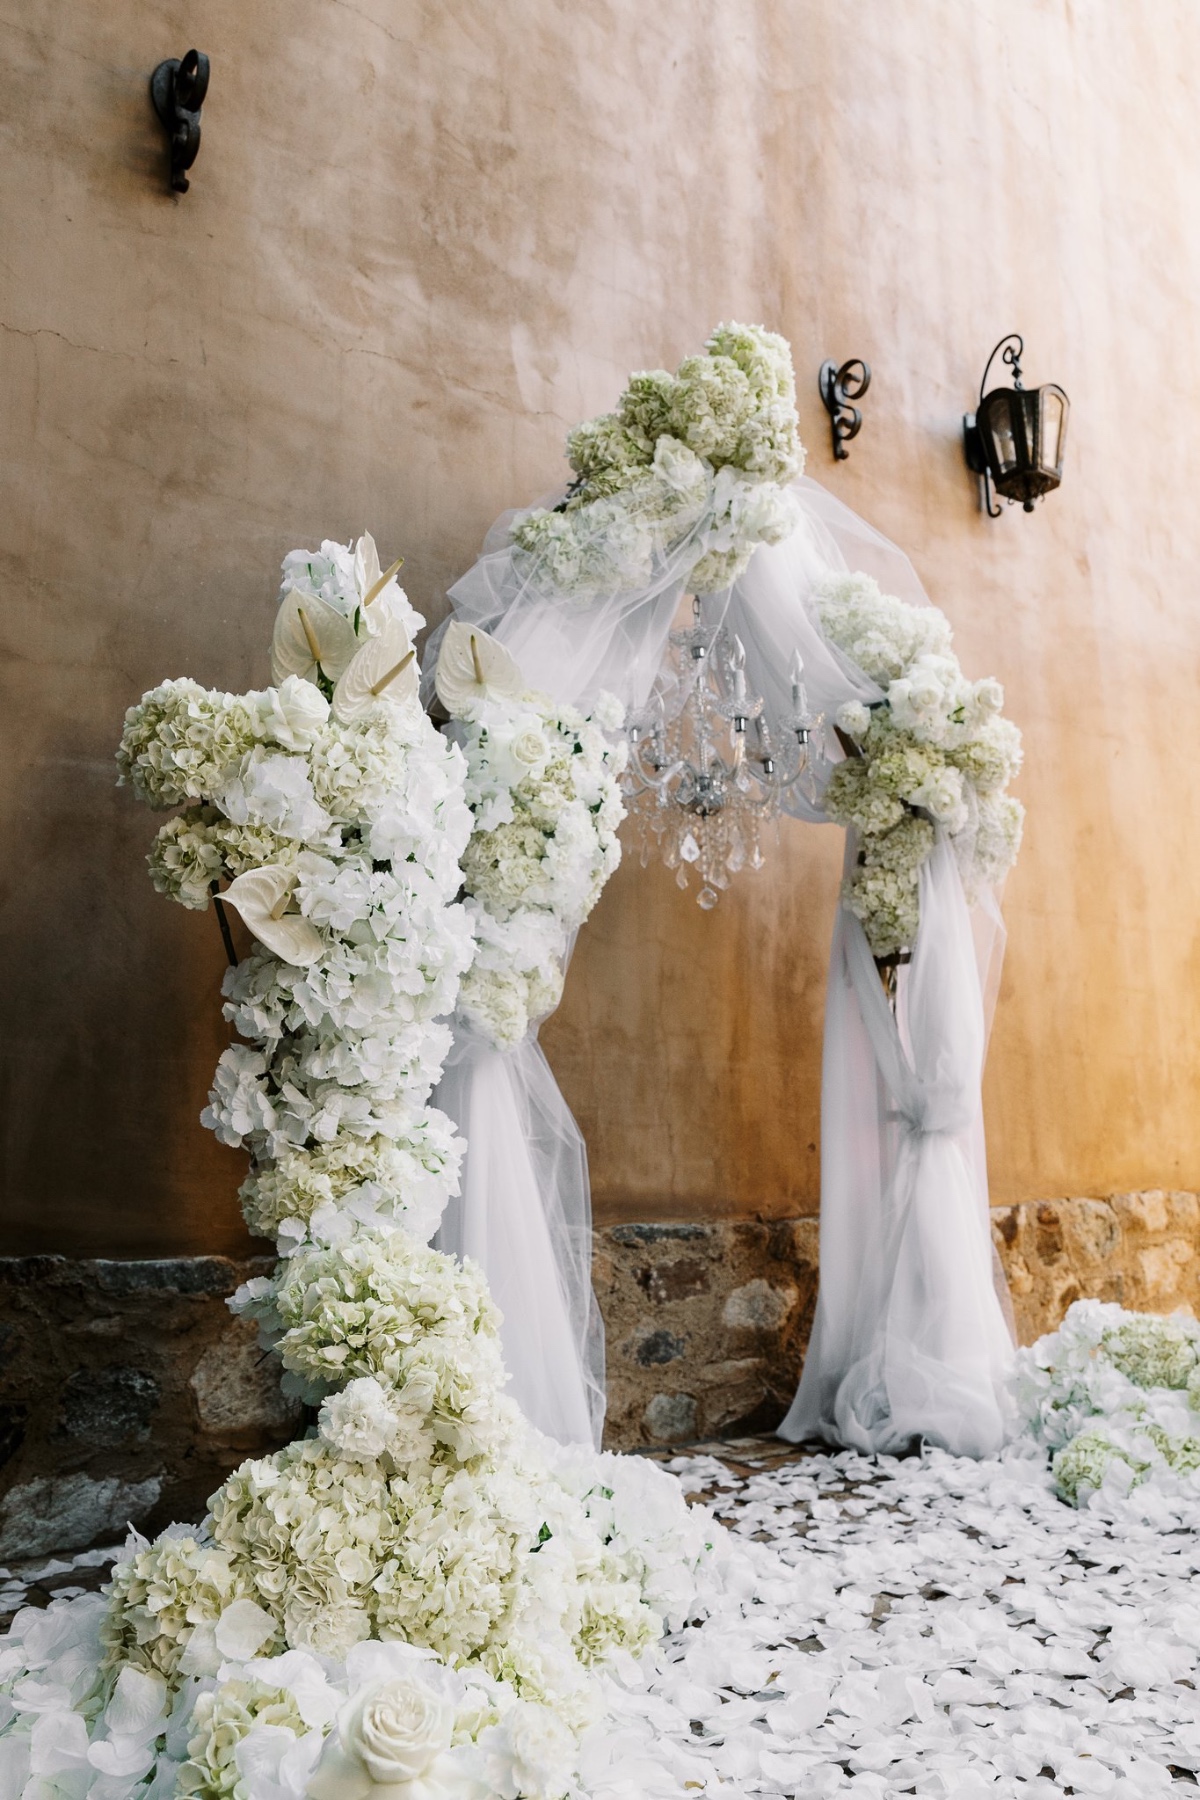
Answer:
[(177, 88), (839, 389)]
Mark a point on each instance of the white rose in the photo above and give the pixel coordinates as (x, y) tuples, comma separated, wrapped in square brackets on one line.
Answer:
[(681, 469), (389, 1736), (941, 794), (987, 698), (518, 755), (296, 711), (530, 750)]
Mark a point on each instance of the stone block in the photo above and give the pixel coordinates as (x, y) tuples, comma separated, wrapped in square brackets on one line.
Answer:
[(654, 1348), (678, 1278), (109, 1406), (670, 1419), (1091, 1230), (757, 1306), (713, 1315), (127, 1390), (1145, 1214), (236, 1389), (1162, 1275), (72, 1512)]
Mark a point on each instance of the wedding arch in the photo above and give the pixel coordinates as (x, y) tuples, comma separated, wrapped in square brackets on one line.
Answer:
[(693, 486)]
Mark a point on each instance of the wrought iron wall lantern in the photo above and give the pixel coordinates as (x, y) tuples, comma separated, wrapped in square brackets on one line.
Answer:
[(177, 88), (840, 388), (1015, 441)]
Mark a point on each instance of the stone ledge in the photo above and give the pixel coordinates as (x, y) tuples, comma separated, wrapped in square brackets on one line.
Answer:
[(706, 1325), (127, 1393), (1139, 1249), (708, 1322)]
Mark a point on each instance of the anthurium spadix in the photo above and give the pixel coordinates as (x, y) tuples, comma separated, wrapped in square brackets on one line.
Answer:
[(383, 667), (311, 638), (261, 898), (473, 666)]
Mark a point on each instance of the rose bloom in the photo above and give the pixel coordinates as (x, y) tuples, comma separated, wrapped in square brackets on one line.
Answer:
[(388, 1737)]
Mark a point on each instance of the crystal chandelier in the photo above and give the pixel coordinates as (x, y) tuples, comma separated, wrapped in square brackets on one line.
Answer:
[(706, 772)]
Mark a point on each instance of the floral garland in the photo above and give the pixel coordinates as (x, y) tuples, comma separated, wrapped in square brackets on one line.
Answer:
[(691, 466), (1115, 1396), (933, 753), (416, 1599), (543, 788)]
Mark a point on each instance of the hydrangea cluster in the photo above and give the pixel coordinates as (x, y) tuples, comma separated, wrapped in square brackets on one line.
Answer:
[(690, 467), (355, 816), (543, 788), (1116, 1397), (933, 753), (418, 1597)]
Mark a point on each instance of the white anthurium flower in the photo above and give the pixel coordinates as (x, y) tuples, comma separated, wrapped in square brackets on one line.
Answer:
[(310, 638), (369, 578), (260, 897), (383, 668), (388, 1742), (472, 667)]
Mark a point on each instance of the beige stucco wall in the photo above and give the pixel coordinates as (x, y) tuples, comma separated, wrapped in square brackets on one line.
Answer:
[(421, 240)]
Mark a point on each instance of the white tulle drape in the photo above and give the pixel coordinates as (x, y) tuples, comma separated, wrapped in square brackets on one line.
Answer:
[(524, 1214), (911, 1338), (524, 1210)]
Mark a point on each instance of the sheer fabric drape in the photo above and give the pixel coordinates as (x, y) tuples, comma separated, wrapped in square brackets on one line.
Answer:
[(524, 1210), (911, 1338), (524, 1214)]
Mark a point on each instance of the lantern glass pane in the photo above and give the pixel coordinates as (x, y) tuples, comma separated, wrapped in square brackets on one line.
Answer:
[(1052, 430), (1002, 450), (1025, 409)]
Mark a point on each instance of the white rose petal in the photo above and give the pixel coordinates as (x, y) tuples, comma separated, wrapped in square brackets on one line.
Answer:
[(242, 1630)]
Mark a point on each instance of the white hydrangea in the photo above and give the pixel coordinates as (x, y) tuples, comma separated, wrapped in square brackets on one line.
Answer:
[(934, 752), (1115, 1395), (691, 469), (410, 1598), (542, 783)]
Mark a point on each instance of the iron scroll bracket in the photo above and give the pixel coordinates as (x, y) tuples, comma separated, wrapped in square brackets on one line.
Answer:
[(840, 388), (177, 88)]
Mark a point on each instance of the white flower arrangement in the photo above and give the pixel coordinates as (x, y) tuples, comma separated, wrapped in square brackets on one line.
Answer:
[(416, 1602), (543, 788), (691, 467), (935, 753), (1115, 1396)]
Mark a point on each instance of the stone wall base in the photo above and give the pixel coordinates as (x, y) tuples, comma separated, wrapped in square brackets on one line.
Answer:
[(128, 1391), (708, 1323)]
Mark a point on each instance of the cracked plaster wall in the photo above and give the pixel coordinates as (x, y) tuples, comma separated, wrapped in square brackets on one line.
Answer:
[(421, 240)]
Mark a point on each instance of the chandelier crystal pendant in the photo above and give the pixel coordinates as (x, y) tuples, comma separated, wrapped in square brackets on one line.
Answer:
[(707, 773)]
